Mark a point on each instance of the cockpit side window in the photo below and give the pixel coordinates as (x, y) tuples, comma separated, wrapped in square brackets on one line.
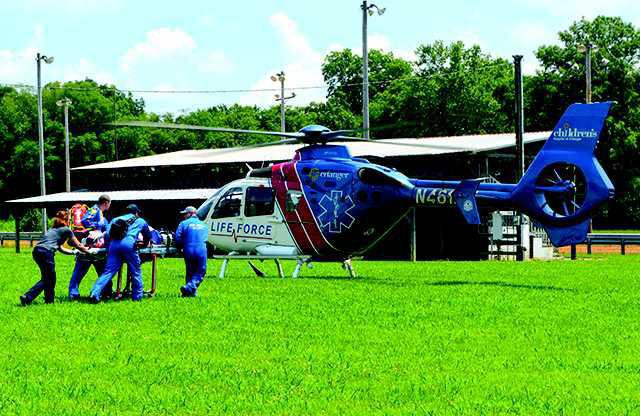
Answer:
[(259, 201), (229, 204)]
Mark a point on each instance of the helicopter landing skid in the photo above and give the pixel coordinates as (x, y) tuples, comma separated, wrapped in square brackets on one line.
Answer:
[(300, 261)]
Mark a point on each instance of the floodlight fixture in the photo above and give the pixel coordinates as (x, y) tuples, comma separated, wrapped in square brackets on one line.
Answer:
[(379, 10), (63, 102)]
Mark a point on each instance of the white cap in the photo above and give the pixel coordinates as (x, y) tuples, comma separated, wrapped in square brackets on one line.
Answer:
[(189, 210)]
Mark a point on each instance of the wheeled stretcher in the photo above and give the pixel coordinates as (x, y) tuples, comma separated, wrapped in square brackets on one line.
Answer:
[(147, 254)]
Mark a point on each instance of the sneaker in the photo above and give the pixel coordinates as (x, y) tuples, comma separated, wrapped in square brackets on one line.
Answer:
[(73, 298), (186, 293), (93, 300), (24, 301)]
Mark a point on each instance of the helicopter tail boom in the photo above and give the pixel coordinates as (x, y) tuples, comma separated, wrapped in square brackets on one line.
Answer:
[(562, 187)]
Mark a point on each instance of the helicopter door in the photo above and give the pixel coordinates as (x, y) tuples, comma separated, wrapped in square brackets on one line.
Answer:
[(262, 223), (226, 219)]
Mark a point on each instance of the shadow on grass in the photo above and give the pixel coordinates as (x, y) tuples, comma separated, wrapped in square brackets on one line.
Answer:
[(345, 277), (84, 300), (413, 282), (497, 283)]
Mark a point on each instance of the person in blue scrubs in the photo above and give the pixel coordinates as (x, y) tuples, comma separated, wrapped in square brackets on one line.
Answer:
[(191, 236), (93, 220), (124, 251)]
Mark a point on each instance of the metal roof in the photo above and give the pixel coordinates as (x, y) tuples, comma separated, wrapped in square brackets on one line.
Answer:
[(124, 196), (455, 144)]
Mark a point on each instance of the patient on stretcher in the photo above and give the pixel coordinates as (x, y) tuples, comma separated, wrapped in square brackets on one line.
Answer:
[(95, 239)]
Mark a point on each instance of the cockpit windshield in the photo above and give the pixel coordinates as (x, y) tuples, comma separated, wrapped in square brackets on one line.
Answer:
[(204, 209)]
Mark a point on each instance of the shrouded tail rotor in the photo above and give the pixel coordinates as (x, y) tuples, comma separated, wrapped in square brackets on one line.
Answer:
[(561, 190)]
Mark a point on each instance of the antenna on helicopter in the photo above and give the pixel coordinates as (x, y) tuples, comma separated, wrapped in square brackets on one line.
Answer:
[(250, 169)]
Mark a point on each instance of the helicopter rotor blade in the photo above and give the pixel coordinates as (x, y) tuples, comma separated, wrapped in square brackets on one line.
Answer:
[(394, 143), (202, 128), (399, 124), (330, 136), (390, 126), (259, 145), (226, 150), (346, 139)]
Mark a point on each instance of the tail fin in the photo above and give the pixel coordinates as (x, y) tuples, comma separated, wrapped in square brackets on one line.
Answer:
[(565, 182), (465, 196), (579, 129)]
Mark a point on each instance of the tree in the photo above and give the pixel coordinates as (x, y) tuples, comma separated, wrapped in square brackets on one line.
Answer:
[(454, 90), (18, 144), (342, 71)]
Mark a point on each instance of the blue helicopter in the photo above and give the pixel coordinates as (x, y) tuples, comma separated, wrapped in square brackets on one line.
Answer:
[(328, 205)]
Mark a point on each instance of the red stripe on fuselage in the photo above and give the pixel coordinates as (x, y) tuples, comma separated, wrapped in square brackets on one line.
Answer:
[(281, 186), (301, 222), (310, 223)]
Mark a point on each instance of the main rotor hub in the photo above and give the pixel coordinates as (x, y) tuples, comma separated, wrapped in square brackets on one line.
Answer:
[(313, 133), (314, 129)]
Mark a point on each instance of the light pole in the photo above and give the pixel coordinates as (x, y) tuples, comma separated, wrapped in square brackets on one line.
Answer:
[(367, 10), (519, 116), (586, 49), (43, 188), (280, 97), (65, 103)]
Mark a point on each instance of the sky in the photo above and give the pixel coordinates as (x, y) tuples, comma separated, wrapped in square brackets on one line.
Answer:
[(237, 45)]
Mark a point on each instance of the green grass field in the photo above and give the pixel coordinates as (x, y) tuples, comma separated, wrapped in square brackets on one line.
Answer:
[(556, 337)]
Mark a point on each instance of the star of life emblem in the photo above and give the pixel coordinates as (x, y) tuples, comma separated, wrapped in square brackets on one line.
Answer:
[(335, 212)]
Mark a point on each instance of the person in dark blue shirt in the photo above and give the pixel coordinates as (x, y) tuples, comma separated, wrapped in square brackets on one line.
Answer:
[(123, 250), (44, 253), (93, 220), (191, 236)]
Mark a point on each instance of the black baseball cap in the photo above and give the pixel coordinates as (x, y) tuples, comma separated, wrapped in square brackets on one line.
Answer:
[(133, 209)]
